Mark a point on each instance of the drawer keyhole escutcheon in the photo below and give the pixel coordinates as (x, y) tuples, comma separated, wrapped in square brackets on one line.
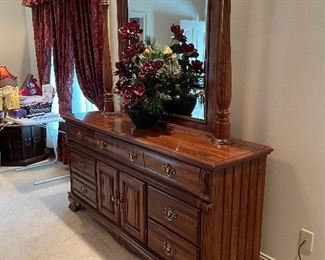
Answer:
[(132, 156), (169, 214), (83, 190), (168, 170), (82, 165), (79, 135), (168, 249)]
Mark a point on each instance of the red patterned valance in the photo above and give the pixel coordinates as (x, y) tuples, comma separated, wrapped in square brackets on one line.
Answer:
[(32, 3)]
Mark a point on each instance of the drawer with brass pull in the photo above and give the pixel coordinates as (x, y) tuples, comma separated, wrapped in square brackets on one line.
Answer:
[(168, 245), (176, 215), (81, 136), (175, 172), (83, 190), (83, 165), (112, 147)]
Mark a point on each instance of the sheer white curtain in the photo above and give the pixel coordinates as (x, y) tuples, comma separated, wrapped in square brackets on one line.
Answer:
[(80, 104)]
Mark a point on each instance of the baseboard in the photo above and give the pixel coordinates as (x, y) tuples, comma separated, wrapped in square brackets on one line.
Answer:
[(266, 257)]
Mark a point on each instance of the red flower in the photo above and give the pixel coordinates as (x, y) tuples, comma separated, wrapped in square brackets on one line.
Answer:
[(141, 47), (197, 66), (133, 93), (178, 33), (131, 31), (189, 50), (150, 68)]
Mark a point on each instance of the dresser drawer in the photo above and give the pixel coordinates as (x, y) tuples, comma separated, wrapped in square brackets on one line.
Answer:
[(83, 165), (176, 215), (174, 172), (83, 190), (82, 136), (168, 245), (110, 146)]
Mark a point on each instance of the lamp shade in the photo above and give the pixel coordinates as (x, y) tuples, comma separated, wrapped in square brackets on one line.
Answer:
[(6, 78)]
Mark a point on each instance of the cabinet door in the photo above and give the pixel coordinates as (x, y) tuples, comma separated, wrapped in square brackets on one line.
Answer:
[(108, 195), (133, 208)]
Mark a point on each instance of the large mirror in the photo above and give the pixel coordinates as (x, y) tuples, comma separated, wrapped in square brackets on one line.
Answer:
[(207, 25), (187, 83)]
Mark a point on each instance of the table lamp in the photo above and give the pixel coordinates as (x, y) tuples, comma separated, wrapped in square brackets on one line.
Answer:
[(9, 98)]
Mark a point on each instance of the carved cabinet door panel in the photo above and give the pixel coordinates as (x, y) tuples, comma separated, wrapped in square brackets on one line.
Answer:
[(107, 178), (133, 208)]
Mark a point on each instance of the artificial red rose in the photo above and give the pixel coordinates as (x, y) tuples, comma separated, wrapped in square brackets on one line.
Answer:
[(197, 66), (190, 50), (178, 33), (130, 51), (180, 37), (176, 29), (141, 47), (131, 31), (150, 68), (131, 93)]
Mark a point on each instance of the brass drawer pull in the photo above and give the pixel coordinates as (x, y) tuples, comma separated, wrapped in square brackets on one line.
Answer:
[(132, 156), (169, 214), (83, 190), (79, 135), (168, 249), (168, 170), (82, 165), (101, 144)]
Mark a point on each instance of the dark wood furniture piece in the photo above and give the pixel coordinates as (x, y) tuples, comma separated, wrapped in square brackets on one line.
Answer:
[(22, 145), (190, 191), (168, 194)]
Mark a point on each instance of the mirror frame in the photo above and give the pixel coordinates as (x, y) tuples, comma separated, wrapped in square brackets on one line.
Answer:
[(218, 77)]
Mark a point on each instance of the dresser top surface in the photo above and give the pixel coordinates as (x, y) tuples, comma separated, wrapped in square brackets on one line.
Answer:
[(193, 148)]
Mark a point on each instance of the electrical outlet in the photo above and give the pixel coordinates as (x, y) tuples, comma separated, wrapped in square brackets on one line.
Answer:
[(309, 237)]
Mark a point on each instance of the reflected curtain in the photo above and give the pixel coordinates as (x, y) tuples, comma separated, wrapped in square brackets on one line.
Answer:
[(87, 38), (63, 65)]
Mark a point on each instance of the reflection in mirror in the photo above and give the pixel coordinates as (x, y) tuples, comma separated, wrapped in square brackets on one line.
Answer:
[(155, 18)]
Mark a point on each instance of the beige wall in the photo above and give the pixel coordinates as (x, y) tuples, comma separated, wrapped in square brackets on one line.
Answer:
[(279, 99), (14, 40)]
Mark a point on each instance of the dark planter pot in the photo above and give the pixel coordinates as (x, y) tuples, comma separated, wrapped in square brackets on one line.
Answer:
[(142, 118), (182, 105)]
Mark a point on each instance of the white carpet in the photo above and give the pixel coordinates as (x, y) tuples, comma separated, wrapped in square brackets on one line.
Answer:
[(35, 222)]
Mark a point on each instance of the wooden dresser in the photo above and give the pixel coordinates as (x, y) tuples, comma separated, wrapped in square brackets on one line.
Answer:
[(168, 194)]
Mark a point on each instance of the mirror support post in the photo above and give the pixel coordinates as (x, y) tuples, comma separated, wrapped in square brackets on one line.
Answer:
[(224, 75), (107, 64)]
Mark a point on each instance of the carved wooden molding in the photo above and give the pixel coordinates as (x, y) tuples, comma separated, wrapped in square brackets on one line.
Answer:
[(207, 207), (204, 184)]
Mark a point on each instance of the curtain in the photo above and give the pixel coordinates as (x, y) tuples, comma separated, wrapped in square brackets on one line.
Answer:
[(87, 38), (63, 65), (74, 31), (43, 40)]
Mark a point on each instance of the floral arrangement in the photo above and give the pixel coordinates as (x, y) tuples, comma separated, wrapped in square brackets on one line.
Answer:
[(151, 74)]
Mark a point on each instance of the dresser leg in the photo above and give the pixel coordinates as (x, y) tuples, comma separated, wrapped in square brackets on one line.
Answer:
[(74, 205)]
